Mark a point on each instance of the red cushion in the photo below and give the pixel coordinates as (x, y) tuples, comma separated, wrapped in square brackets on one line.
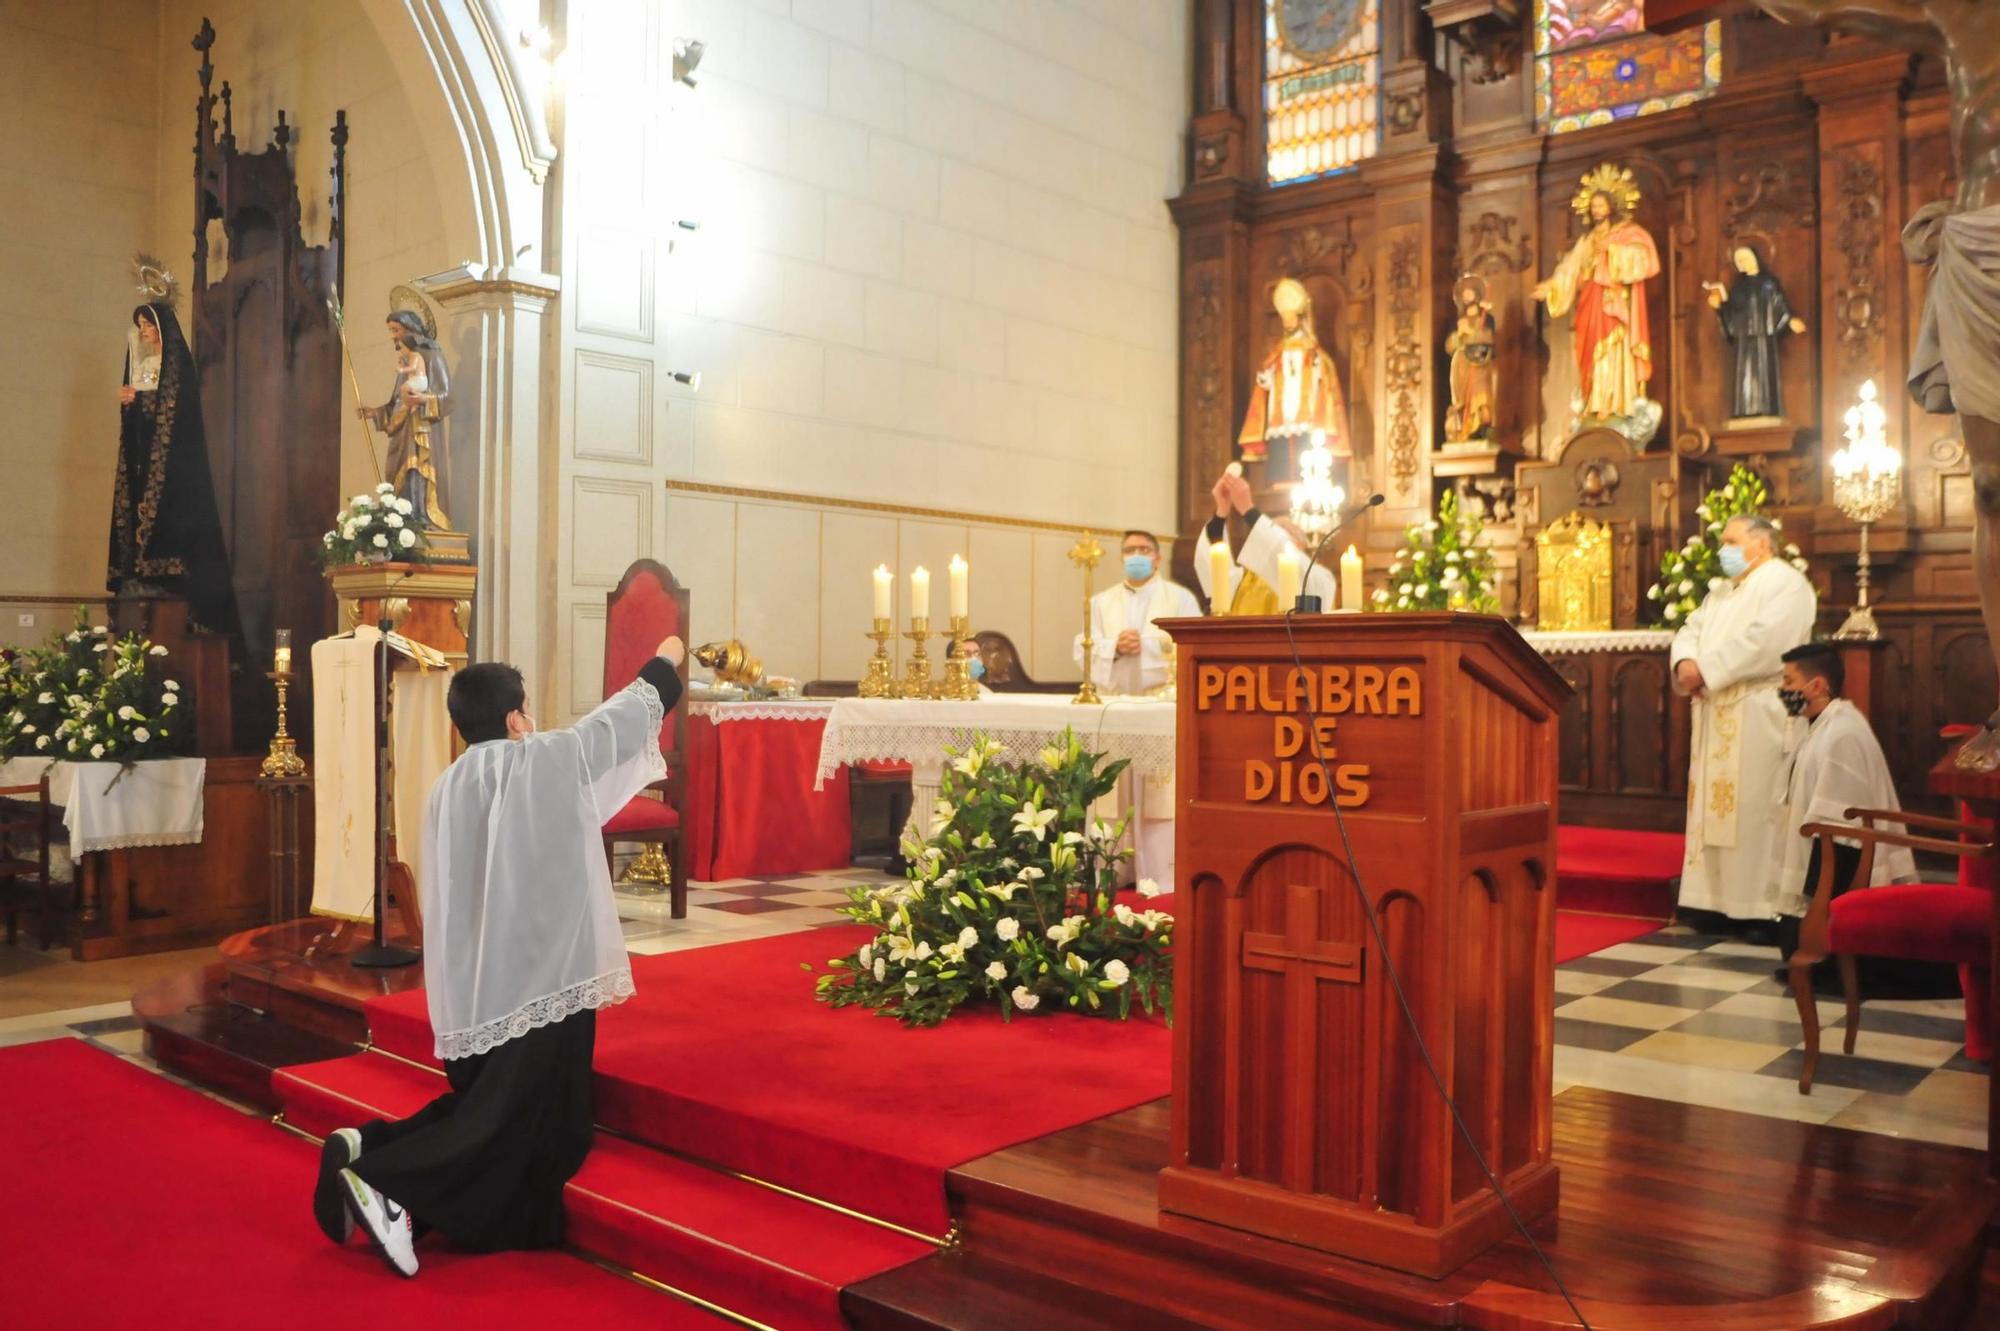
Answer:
[(1917, 921), (877, 769), (643, 815)]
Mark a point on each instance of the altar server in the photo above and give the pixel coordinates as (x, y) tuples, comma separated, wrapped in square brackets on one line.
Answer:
[(1128, 654), (1253, 571), (1833, 763), (1727, 658), (521, 947)]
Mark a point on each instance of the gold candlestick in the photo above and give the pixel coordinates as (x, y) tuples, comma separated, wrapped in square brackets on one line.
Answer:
[(1085, 554), (880, 681), (283, 760), (917, 681), (958, 684)]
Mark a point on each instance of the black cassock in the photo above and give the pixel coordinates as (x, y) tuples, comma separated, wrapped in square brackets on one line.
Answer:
[(1754, 316), (165, 530)]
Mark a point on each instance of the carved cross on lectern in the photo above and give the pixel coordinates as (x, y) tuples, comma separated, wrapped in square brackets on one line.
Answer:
[(1306, 961)]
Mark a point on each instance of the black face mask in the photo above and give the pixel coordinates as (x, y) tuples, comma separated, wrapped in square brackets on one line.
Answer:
[(1794, 701)]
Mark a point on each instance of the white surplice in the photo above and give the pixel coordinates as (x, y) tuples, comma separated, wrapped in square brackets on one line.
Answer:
[(1736, 637), (1122, 607), (1835, 764), (1262, 546), (520, 928)]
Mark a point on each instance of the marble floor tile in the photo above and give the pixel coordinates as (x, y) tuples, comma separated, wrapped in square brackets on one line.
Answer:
[(1695, 998), (1763, 966), (1773, 1007), (1701, 977), (1916, 1025), (1753, 1030), (121, 1042), (1748, 1092), (1596, 1034), (64, 1016), (1657, 955), (1891, 1048), (1599, 965), (35, 1035), (812, 898), (1678, 936), (1619, 1012), (1579, 983), (1738, 948), (1705, 1051), (1855, 1073)]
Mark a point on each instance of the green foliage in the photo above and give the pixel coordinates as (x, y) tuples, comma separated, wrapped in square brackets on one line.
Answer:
[(1686, 574), (1010, 900), (86, 696), (1442, 565)]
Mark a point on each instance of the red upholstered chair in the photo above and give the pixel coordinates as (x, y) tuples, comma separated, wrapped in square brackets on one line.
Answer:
[(1947, 922), (648, 606)]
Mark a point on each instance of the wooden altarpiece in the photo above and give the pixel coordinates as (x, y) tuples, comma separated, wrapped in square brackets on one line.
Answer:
[(1302, 1109)]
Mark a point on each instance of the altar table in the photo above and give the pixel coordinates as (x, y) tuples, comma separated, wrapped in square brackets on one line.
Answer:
[(754, 807)]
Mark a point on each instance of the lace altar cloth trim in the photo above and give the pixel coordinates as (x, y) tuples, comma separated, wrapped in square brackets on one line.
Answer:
[(107, 806), (597, 992), (1617, 640), (772, 709), (865, 730)]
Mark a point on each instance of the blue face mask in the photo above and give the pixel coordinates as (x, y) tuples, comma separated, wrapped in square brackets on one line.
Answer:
[(1733, 562), (1138, 568), (976, 668)]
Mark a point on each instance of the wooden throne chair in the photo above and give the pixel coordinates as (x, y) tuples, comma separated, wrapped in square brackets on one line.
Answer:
[(647, 606)]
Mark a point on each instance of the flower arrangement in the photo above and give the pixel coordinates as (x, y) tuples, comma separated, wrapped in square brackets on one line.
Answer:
[(373, 529), (1689, 573), (88, 697), (1442, 566), (1010, 900)]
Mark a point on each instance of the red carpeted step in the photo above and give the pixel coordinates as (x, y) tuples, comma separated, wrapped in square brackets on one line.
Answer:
[(139, 1203), (747, 1248), (1614, 872), (404, 1029)]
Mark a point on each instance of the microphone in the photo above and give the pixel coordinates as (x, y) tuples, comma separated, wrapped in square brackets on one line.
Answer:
[(1310, 604)]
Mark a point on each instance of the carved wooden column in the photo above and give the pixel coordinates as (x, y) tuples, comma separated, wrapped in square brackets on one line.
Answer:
[(1416, 231)]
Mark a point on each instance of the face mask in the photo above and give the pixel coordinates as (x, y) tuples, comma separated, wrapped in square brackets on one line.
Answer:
[(1794, 701), (1733, 562), (1138, 568), (976, 668)]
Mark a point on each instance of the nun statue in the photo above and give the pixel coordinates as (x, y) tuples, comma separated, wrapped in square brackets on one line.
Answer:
[(1754, 317)]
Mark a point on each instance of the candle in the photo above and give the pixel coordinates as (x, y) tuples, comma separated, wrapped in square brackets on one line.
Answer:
[(884, 592), (1289, 567), (1350, 580), (1218, 576), (281, 659), (920, 593), (961, 601)]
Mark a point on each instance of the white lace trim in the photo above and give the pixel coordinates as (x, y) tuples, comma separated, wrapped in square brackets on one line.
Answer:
[(1615, 640), (599, 991), (1150, 755), (127, 840), (656, 714), (774, 709)]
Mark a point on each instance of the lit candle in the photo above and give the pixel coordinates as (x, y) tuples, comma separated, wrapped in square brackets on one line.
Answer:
[(885, 590), (920, 593), (281, 659), (1350, 579), (1218, 576), (961, 601), (1289, 566)]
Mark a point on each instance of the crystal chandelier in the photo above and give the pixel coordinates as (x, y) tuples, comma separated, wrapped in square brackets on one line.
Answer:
[(1867, 481), (1316, 500)]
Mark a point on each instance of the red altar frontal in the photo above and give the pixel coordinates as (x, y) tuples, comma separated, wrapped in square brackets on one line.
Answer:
[(1303, 1109), (752, 807)]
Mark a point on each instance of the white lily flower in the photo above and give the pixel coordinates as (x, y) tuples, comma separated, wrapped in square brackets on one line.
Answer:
[(1026, 999), (1007, 929), (142, 734), (995, 971), (406, 538), (1116, 971)]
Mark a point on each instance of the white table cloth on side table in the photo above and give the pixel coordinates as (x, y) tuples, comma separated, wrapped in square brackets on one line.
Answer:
[(916, 732), (155, 803)]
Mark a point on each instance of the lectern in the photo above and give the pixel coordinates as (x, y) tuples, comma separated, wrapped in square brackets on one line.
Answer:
[(1302, 1109)]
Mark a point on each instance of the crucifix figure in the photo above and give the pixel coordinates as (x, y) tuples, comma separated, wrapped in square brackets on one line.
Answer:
[(1956, 364)]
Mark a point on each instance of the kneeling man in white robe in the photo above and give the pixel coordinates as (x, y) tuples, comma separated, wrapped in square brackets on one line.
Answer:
[(1833, 763), (1727, 657)]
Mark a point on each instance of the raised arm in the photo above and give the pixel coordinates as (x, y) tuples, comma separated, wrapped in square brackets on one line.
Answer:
[(619, 741)]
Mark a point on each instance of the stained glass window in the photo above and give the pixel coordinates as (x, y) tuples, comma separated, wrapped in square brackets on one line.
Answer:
[(1595, 64), (1322, 86)]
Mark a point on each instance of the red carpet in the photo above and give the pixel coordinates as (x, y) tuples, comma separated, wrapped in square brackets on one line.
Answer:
[(1579, 935), (1615, 872), (133, 1202)]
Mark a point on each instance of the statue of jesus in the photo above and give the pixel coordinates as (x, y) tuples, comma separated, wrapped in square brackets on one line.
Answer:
[(1603, 279)]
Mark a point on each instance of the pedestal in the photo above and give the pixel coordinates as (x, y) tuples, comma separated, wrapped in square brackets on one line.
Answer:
[(430, 603)]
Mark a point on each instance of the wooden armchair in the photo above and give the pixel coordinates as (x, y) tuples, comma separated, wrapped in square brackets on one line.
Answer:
[(1944, 922), (27, 824), (650, 605)]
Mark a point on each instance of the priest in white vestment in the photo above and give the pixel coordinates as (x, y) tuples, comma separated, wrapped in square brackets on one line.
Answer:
[(1127, 653), (1253, 572), (1727, 657), (522, 945), (1833, 763)]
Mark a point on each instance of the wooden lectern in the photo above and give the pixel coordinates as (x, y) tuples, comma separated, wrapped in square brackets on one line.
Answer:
[(1302, 1109)]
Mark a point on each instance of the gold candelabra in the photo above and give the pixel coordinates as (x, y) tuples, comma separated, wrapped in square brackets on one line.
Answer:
[(917, 681), (880, 681), (1867, 481), (1085, 554), (958, 685), (283, 760)]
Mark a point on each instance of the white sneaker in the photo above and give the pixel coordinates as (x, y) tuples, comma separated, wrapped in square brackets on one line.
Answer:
[(329, 1198), (387, 1224)]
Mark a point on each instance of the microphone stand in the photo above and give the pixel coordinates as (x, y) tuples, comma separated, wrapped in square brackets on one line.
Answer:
[(378, 954)]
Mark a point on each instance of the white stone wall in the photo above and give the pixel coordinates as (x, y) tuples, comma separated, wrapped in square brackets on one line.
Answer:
[(934, 268), (78, 123)]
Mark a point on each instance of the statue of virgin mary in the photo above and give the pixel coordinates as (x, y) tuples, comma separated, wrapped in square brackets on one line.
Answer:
[(166, 535)]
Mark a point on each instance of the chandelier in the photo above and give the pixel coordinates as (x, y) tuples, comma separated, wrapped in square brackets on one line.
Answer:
[(1867, 481), (1316, 500)]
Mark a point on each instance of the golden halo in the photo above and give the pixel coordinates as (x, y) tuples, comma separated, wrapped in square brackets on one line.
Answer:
[(155, 283), (404, 297), (1613, 180)]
